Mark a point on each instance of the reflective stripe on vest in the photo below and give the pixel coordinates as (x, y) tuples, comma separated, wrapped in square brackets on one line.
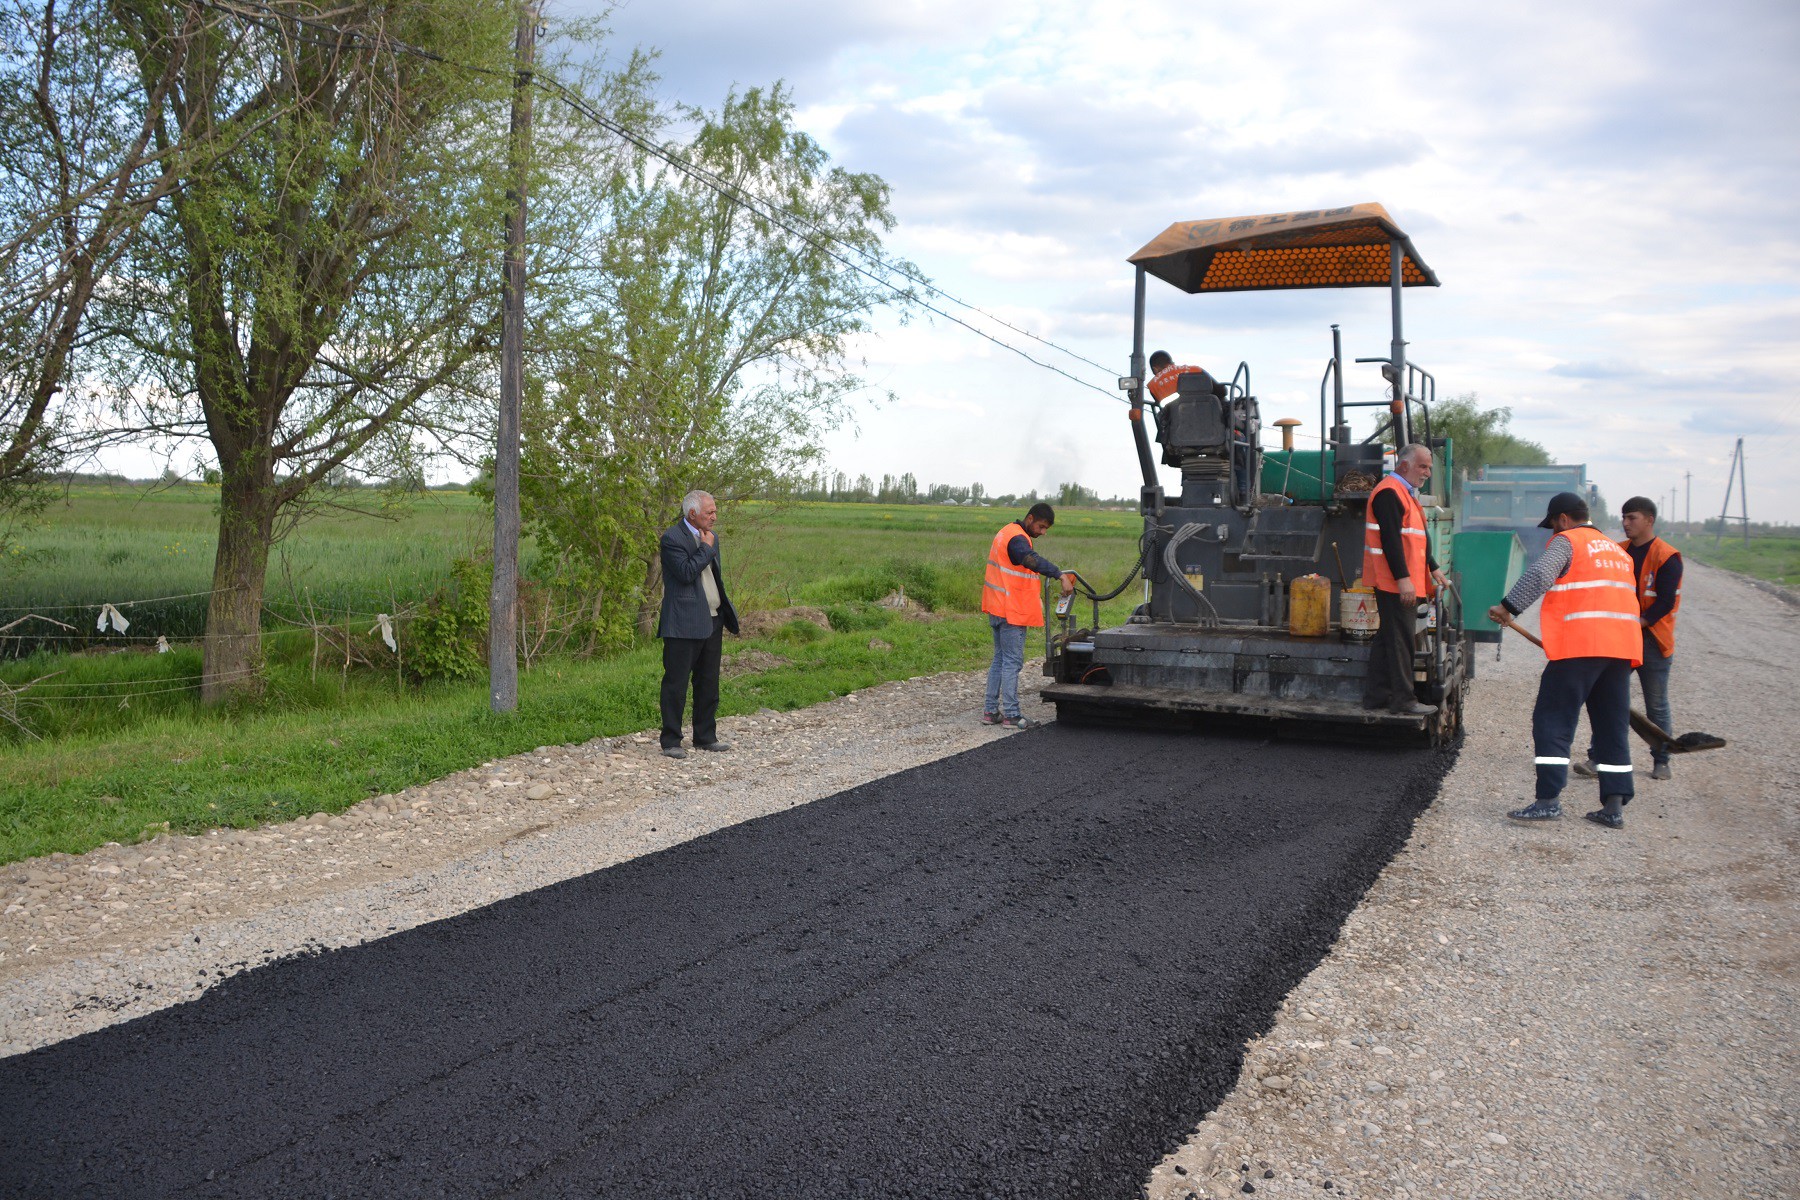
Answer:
[(1007, 592), (1658, 553), (1412, 539), (1588, 613)]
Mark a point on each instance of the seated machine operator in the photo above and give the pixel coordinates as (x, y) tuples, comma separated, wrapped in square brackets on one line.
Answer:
[(1163, 382)]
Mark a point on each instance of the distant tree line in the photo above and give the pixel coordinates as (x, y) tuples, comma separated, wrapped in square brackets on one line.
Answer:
[(839, 487)]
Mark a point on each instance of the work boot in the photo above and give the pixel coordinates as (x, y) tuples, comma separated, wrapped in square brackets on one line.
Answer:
[(674, 752), (714, 747), (1585, 769), (1610, 814), (1412, 708), (1539, 810), (1661, 771)]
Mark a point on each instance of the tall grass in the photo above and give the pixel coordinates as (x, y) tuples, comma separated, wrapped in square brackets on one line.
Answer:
[(124, 545)]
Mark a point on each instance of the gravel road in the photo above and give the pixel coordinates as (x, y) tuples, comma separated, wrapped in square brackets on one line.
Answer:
[(1561, 1010), (1510, 1011)]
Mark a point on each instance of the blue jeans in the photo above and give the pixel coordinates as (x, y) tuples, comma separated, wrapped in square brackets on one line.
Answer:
[(1003, 672), (1653, 677)]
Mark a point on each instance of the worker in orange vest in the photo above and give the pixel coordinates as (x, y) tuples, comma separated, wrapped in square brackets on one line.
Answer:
[(1167, 380), (1009, 596), (1593, 638), (1658, 569), (1167, 375), (1397, 563)]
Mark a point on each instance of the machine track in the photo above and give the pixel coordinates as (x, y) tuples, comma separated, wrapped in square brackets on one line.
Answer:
[(1025, 970)]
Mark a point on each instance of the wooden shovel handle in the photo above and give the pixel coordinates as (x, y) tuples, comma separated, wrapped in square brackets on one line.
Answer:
[(1518, 628)]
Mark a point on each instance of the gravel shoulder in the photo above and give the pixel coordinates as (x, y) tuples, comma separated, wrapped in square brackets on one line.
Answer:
[(1563, 1010)]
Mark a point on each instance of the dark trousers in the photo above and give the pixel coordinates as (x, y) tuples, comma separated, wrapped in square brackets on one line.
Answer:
[(1603, 685), (1653, 677), (696, 659), (1389, 683)]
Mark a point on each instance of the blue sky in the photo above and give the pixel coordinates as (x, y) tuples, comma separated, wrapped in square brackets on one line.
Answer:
[(1608, 193)]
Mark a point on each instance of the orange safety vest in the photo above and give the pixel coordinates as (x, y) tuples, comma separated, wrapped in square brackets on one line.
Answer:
[(1592, 611), (1164, 382), (1008, 592), (1375, 570), (1663, 631)]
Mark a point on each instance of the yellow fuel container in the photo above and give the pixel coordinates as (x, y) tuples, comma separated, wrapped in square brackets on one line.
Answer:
[(1309, 606)]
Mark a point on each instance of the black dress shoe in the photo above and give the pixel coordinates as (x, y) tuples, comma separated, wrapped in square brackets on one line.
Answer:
[(674, 752)]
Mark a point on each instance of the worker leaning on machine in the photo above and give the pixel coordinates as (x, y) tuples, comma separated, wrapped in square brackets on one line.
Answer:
[(1009, 596), (1397, 563), (1592, 638), (1657, 566)]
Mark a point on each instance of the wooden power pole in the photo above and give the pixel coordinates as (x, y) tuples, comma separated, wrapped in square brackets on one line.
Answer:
[(503, 599)]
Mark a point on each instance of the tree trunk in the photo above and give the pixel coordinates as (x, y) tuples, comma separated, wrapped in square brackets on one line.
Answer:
[(650, 608), (232, 657)]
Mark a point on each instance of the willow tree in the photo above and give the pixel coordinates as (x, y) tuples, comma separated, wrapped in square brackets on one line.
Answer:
[(306, 300), (704, 343), (78, 171)]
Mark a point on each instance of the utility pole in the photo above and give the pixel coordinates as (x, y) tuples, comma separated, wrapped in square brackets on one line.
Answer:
[(1734, 474), (1688, 518), (503, 599)]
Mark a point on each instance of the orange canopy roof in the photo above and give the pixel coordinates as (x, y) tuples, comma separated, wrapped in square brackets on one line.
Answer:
[(1317, 248)]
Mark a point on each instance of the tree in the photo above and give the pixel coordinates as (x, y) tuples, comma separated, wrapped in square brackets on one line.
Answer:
[(78, 171), (706, 348), (1480, 436), (299, 299)]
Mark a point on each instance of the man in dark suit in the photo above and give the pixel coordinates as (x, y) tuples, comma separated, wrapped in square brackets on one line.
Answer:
[(695, 614)]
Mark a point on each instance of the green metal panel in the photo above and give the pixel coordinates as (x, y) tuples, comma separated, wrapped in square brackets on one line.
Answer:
[(1295, 473), (1489, 562)]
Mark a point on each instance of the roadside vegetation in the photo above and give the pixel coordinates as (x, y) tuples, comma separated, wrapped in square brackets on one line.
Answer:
[(1768, 556), (121, 742)]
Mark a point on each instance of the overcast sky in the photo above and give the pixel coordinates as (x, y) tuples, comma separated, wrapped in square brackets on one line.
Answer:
[(1607, 192)]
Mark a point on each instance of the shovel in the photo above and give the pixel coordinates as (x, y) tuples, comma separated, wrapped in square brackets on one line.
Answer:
[(1652, 733)]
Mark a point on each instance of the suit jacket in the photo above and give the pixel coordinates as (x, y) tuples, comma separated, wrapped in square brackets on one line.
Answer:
[(684, 609)]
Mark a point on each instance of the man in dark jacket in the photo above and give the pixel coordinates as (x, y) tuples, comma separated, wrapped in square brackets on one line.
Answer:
[(695, 613)]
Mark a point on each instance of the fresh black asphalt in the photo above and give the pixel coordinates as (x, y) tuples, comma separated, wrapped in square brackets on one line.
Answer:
[(1026, 970)]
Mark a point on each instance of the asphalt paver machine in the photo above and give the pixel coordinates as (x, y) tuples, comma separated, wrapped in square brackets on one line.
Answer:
[(1253, 607)]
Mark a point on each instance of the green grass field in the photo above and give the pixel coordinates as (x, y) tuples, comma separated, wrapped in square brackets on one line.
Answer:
[(127, 745), (112, 544), (1776, 559)]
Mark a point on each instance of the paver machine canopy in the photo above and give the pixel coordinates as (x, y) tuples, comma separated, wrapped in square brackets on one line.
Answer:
[(1222, 557)]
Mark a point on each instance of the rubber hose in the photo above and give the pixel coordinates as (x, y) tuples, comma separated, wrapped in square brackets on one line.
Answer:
[(1182, 535)]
